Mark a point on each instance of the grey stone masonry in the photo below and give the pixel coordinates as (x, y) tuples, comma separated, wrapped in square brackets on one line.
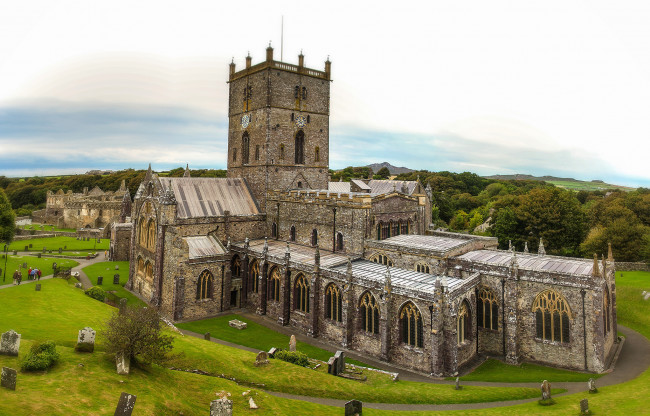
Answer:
[(272, 352), (38, 287), (261, 359), (10, 343), (86, 340), (116, 279), (353, 408), (123, 364), (340, 359), (584, 407), (122, 305), (292, 343), (100, 280), (8, 378), (221, 407), (236, 323), (125, 405), (333, 366)]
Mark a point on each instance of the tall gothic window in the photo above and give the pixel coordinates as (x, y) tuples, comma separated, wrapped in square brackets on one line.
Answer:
[(204, 285), (487, 310), (369, 313), (395, 228), (253, 276), (140, 266), (339, 241), (411, 325), (317, 154), (300, 148), (257, 152), (235, 268), (151, 235), (148, 272), (281, 152), (292, 233), (245, 148), (606, 311), (551, 316), (383, 259), (274, 285), (314, 237), (463, 326), (301, 294), (274, 230), (333, 303), (422, 267)]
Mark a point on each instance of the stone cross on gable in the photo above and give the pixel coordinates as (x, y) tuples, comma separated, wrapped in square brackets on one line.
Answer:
[(596, 269), (526, 247), (541, 251)]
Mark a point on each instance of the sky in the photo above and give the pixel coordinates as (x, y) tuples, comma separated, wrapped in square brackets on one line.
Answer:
[(492, 87)]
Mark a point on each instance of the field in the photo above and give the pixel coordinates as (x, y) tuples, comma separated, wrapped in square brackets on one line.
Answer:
[(66, 243), (44, 264), (106, 269), (588, 186)]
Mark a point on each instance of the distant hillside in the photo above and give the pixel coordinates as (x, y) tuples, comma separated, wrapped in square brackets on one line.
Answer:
[(394, 170), (567, 183)]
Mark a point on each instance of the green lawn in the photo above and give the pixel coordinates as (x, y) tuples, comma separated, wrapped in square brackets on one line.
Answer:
[(44, 264), (255, 336), (66, 243), (106, 269), (46, 227), (498, 371)]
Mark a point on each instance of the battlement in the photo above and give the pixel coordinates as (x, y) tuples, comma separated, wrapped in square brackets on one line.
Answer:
[(282, 66), (321, 196)]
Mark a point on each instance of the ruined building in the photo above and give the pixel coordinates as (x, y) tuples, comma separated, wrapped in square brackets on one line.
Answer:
[(353, 263)]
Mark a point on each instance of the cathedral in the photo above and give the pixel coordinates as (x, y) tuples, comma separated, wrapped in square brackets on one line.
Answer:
[(357, 263)]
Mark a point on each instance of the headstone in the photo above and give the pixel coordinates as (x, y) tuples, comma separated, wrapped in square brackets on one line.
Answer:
[(24, 265), (26, 248), (117, 267), (340, 359), (100, 280), (38, 255), (251, 403), (584, 407), (236, 323), (30, 246), (272, 352), (591, 384), (261, 359), (458, 386), (332, 366), (44, 249), (292, 343), (206, 336), (116, 279), (9, 343), (60, 250), (86, 340), (122, 305), (125, 405), (546, 390), (54, 266), (123, 364), (8, 378), (647, 296), (353, 408), (65, 247), (15, 253), (77, 285), (38, 287), (221, 407)]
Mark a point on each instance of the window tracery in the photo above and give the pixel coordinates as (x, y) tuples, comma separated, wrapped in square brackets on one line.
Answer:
[(551, 316), (487, 310), (369, 313), (204, 285), (463, 323), (301, 294), (411, 325), (333, 303)]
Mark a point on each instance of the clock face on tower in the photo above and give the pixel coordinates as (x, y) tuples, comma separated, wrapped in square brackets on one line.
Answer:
[(300, 121), (245, 120)]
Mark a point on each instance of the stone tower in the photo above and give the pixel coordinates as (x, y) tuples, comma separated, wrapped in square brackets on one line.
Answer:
[(278, 134)]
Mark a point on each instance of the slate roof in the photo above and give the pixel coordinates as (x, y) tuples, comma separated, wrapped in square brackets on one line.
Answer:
[(203, 246), (339, 187), (299, 253), (207, 197), (532, 262), (361, 184), (435, 244), (376, 187)]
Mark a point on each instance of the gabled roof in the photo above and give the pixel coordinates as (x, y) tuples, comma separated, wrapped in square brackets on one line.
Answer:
[(341, 187), (532, 262), (96, 191), (208, 197), (379, 187), (203, 246)]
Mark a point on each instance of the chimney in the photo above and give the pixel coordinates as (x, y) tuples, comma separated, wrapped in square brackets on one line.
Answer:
[(269, 53), (248, 60), (328, 68), (301, 60), (232, 67)]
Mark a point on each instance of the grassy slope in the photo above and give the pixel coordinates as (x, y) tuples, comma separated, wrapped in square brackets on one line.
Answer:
[(44, 264), (107, 270), (497, 371), (53, 243)]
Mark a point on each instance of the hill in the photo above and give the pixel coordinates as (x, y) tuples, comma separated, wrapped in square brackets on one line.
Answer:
[(394, 170), (567, 183)]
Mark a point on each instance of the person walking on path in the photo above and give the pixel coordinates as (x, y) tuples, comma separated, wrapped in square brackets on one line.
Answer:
[(29, 273), (16, 276), (38, 274)]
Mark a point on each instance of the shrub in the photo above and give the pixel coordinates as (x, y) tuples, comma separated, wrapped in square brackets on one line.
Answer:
[(40, 357), (96, 292), (293, 357)]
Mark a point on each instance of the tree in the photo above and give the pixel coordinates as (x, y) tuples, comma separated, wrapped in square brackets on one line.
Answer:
[(383, 173), (136, 333), (7, 220), (505, 227)]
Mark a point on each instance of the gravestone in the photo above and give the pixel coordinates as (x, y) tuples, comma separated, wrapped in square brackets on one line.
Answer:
[(85, 340), (546, 390), (24, 265), (9, 343), (117, 267), (116, 279), (60, 250), (591, 385), (54, 266), (221, 407), (30, 245), (44, 250), (261, 359), (457, 387), (38, 287), (26, 248), (340, 359), (65, 247), (38, 255), (353, 408), (206, 336), (236, 323), (332, 366), (122, 305), (125, 405), (100, 280), (647, 296), (292, 343), (15, 253), (123, 364), (272, 352), (584, 407), (77, 285), (8, 378)]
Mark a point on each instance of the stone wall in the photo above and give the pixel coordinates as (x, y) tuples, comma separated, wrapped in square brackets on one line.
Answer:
[(120, 241), (632, 266)]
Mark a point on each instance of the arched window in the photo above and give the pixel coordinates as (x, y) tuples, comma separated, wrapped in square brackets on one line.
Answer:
[(301, 294), (292, 233), (395, 228), (411, 325), (142, 238), (204, 285), (300, 148), (235, 267), (606, 311), (383, 259), (245, 148), (314, 237), (405, 230), (253, 276), (463, 323), (551, 316), (379, 231), (148, 272), (274, 285), (487, 310), (369, 313), (151, 235), (140, 266), (339, 241), (257, 152), (333, 303), (317, 154), (422, 267), (274, 230), (281, 152), (385, 230)]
